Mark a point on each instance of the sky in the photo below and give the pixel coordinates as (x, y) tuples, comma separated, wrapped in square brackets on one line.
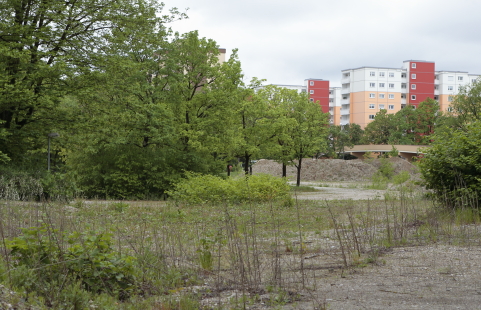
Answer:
[(286, 42)]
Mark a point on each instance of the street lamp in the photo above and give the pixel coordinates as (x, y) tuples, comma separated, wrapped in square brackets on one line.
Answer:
[(50, 135)]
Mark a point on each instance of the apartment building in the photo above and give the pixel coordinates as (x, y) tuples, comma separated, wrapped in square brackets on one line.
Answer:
[(329, 98), (367, 90)]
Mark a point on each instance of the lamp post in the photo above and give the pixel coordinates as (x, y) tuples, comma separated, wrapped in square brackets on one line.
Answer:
[(50, 135)]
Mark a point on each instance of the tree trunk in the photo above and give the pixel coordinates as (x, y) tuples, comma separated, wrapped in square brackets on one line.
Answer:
[(298, 183), (246, 163), (284, 170), (228, 170)]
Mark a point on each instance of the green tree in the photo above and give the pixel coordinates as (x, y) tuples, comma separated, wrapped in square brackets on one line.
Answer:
[(379, 131), (343, 136), (407, 126), (44, 47), (451, 167), (466, 106), (307, 137), (164, 108), (256, 117), (428, 116), (280, 101)]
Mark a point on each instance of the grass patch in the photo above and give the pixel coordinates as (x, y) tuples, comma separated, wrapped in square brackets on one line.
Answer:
[(193, 255), (304, 188)]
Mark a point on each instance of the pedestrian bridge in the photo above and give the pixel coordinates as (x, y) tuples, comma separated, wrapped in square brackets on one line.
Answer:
[(405, 151)]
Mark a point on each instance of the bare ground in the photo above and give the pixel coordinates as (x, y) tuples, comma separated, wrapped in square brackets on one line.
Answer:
[(425, 277), (437, 276)]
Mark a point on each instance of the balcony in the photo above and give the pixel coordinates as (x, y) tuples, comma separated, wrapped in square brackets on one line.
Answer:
[(345, 111), (345, 79)]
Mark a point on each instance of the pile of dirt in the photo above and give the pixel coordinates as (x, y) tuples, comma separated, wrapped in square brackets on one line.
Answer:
[(334, 170)]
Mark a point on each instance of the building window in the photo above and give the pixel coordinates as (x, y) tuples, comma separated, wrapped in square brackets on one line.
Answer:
[(372, 106), (413, 65), (372, 95), (381, 74), (413, 97), (381, 96), (450, 87), (391, 74), (371, 116), (330, 92), (331, 100), (372, 84), (403, 85), (460, 78), (391, 96), (311, 83), (473, 80), (372, 73), (450, 109), (312, 99), (436, 87), (436, 77), (403, 75), (413, 76), (391, 85), (381, 107), (413, 86), (450, 77), (311, 91), (381, 85), (390, 107), (403, 96), (450, 98), (436, 97)]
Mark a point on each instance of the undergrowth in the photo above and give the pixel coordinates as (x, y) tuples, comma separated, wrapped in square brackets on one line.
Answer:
[(160, 255)]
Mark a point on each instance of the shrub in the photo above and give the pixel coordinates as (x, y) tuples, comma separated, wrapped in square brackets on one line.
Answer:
[(59, 186), (88, 264), (264, 187), (201, 189), (451, 167), (15, 185)]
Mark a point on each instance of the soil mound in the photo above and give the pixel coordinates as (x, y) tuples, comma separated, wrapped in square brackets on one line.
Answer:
[(334, 170)]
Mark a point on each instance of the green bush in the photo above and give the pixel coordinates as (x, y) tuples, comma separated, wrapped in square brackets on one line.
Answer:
[(452, 166), (46, 267), (19, 185), (59, 186), (202, 189)]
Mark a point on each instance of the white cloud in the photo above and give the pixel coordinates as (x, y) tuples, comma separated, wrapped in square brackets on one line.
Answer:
[(286, 42)]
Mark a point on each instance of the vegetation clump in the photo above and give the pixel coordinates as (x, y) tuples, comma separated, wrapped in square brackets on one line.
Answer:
[(204, 189), (88, 265)]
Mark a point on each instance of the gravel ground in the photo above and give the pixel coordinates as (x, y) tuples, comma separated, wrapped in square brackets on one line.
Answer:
[(427, 277), (423, 277), (334, 170)]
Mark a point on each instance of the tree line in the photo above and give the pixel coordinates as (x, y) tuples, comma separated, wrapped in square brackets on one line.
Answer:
[(129, 105)]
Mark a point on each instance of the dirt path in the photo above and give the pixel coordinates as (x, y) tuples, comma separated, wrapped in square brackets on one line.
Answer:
[(332, 192)]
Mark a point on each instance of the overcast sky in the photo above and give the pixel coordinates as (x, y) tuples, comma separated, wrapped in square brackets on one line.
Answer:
[(285, 41)]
